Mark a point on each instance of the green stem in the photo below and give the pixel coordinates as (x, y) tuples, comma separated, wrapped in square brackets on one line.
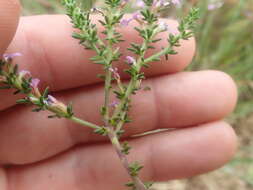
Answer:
[(118, 148), (131, 86), (120, 123), (108, 73), (129, 90), (108, 78), (84, 123), (157, 55)]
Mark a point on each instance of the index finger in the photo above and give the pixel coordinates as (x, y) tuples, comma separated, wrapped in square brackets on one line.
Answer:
[(9, 16)]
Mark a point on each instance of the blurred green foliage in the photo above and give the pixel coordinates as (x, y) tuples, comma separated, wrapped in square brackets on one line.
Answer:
[(224, 37), (31, 7), (225, 42)]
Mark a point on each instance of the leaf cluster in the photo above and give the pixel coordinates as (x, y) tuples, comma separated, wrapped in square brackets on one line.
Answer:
[(135, 168), (12, 79)]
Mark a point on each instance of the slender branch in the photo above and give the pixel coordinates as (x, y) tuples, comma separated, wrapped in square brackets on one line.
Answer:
[(118, 148), (110, 26), (157, 55), (132, 84), (129, 90), (107, 53), (84, 123), (120, 123), (108, 79)]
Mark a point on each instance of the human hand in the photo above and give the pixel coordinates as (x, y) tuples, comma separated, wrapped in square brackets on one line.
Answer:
[(56, 154)]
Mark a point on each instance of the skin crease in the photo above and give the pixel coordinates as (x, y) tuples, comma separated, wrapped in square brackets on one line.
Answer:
[(60, 155)]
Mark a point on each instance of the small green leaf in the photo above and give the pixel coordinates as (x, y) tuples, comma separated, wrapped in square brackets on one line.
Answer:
[(101, 131), (23, 101), (70, 109), (135, 167), (125, 148), (46, 92), (103, 110), (148, 184)]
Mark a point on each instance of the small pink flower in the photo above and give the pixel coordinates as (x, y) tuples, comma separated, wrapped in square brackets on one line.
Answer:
[(163, 26), (51, 100), (115, 73), (55, 105), (9, 56), (22, 73), (161, 3), (213, 6), (176, 2), (34, 83), (125, 22), (173, 31), (114, 103), (164, 3), (130, 60), (139, 4), (136, 15)]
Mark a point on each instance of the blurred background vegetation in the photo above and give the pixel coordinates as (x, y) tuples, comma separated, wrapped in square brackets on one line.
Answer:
[(225, 42)]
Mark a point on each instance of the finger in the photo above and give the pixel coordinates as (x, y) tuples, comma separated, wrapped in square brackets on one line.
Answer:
[(60, 57), (3, 179), (58, 60), (169, 155), (9, 16), (179, 100)]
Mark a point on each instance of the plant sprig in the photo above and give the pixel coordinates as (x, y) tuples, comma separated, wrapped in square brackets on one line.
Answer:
[(22, 82), (113, 114)]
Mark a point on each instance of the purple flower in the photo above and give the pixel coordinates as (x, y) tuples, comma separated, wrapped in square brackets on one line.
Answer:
[(163, 26), (176, 2), (136, 15), (130, 60), (22, 73), (115, 73), (114, 103), (34, 83), (9, 56), (140, 4), (51, 100), (173, 31), (213, 6), (161, 3), (125, 22), (164, 3), (55, 105)]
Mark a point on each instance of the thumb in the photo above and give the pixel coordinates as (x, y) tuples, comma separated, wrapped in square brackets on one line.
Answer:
[(9, 17)]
